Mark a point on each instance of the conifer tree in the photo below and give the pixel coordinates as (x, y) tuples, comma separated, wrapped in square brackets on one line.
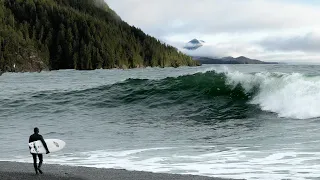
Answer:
[(73, 34)]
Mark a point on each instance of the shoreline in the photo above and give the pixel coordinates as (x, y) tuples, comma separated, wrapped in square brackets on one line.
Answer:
[(25, 171)]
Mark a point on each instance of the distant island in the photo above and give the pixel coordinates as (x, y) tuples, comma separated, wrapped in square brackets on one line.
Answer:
[(40, 35), (230, 60), (196, 44)]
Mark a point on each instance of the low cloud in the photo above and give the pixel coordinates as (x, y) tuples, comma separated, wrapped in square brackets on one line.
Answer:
[(305, 43), (261, 29), (220, 49)]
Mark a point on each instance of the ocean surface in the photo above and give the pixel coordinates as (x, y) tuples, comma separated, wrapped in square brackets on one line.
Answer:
[(233, 121)]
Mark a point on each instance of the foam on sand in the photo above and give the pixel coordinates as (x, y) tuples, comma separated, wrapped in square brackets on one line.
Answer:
[(9, 171)]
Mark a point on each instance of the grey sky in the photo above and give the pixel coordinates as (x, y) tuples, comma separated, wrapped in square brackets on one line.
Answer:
[(307, 43), (254, 28)]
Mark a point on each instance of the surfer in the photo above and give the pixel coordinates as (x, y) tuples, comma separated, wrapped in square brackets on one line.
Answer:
[(35, 137)]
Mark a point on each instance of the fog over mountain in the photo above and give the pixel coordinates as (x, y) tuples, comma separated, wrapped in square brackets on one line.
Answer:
[(194, 49), (194, 44), (261, 29)]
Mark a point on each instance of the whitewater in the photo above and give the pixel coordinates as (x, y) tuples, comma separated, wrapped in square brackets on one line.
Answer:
[(232, 121)]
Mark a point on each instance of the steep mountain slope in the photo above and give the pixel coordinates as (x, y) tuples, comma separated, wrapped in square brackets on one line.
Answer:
[(73, 34)]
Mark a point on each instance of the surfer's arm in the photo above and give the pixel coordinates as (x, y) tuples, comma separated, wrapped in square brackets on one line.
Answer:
[(44, 144), (30, 140)]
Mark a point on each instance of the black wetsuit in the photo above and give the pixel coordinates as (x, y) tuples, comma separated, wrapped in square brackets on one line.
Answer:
[(36, 137)]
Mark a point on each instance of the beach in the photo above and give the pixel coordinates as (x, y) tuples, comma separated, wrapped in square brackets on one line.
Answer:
[(233, 121), (25, 171)]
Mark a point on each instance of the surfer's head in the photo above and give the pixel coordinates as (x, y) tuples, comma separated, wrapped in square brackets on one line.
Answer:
[(36, 130)]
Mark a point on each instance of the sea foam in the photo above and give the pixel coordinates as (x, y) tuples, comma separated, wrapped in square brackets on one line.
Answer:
[(291, 95)]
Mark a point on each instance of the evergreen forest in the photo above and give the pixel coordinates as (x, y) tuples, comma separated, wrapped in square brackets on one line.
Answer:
[(40, 35)]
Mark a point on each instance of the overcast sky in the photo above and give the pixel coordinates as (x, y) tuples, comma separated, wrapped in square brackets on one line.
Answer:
[(271, 30)]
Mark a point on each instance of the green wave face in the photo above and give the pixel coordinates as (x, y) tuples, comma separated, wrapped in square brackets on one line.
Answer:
[(201, 96), (198, 87)]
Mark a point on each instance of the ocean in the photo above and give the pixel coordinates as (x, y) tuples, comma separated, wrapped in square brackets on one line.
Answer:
[(230, 121)]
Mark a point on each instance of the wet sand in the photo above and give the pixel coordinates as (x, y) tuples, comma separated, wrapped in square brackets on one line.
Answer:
[(25, 171)]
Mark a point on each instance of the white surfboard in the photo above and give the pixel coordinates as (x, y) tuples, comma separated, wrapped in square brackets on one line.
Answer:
[(52, 144)]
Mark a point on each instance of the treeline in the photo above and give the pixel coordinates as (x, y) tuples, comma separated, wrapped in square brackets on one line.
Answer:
[(75, 34)]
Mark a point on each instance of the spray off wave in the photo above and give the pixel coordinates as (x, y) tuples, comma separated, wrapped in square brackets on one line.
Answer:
[(210, 94), (221, 121), (289, 95)]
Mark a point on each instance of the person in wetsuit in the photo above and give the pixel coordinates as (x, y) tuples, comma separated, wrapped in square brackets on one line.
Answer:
[(35, 137)]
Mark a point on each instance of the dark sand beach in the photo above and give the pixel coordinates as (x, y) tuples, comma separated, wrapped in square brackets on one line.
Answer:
[(24, 171)]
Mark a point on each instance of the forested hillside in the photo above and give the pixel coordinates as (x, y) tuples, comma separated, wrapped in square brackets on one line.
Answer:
[(75, 34)]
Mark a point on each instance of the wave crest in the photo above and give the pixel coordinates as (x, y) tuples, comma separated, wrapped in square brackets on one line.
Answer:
[(289, 95), (210, 94)]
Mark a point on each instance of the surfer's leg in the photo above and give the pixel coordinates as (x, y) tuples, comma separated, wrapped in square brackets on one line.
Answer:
[(34, 156), (40, 162)]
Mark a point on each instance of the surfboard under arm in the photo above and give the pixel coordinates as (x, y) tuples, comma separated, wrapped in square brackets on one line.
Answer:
[(52, 144)]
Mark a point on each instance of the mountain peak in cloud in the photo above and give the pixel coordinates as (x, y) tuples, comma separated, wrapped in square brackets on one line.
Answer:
[(194, 44)]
